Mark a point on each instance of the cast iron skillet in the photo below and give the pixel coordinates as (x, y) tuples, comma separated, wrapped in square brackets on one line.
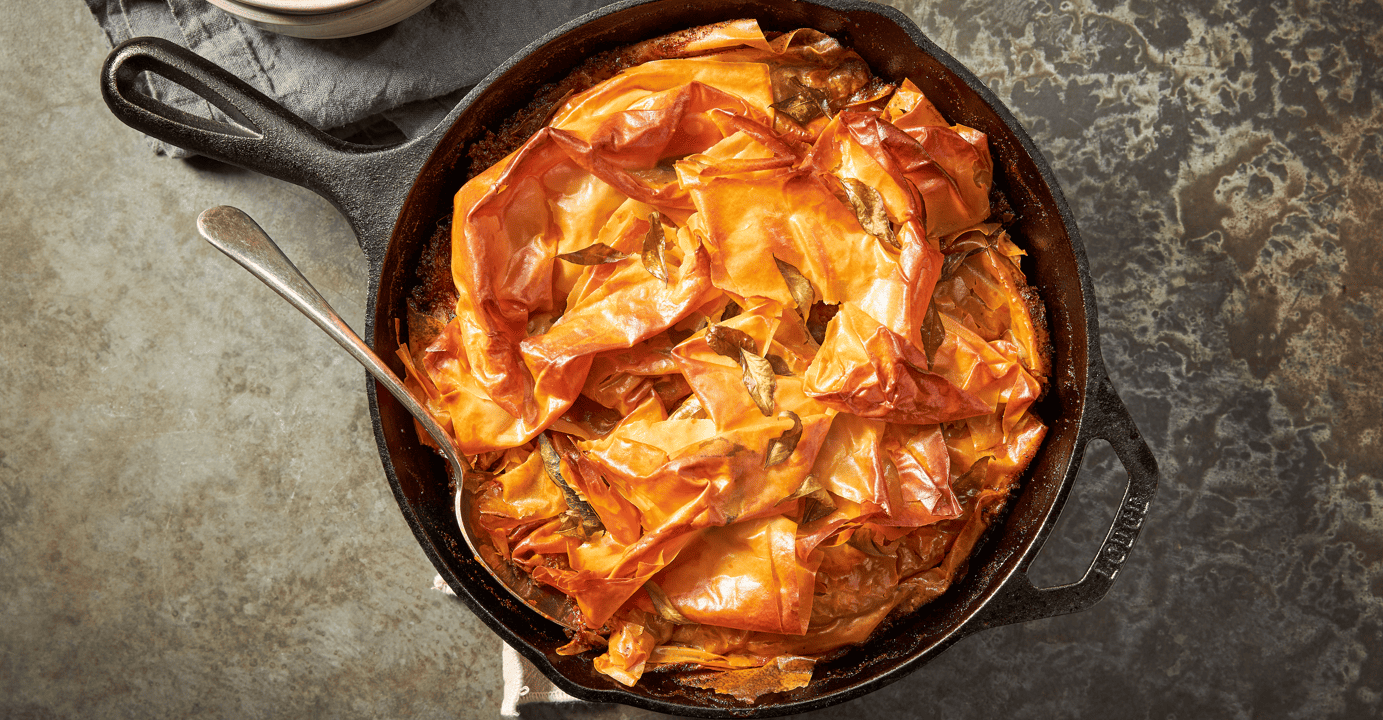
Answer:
[(392, 196)]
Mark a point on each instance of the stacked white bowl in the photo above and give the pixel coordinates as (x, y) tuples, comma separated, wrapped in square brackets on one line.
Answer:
[(321, 19)]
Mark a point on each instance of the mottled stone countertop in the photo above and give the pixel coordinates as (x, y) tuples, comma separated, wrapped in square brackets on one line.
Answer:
[(194, 522)]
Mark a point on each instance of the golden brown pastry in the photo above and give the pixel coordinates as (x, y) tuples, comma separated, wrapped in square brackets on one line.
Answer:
[(747, 359)]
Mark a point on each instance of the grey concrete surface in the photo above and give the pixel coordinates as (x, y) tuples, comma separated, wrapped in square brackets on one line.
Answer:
[(194, 522)]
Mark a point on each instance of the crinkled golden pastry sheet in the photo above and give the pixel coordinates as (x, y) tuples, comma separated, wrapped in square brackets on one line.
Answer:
[(748, 363)]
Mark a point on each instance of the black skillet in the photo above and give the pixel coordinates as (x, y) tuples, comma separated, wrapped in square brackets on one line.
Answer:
[(392, 197)]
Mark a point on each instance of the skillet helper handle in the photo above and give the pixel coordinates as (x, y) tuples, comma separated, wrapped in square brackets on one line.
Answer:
[(367, 183), (262, 136), (1021, 601)]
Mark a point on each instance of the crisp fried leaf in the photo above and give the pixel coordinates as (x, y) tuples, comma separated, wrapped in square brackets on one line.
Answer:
[(933, 332), (801, 108), (552, 463), (729, 342), (571, 526), (779, 365), (663, 604), (539, 323), (863, 540), (798, 285), (810, 486), (732, 309), (597, 254), (781, 447), (579, 510), (655, 248), (758, 373), (868, 205), (759, 380), (968, 486), (959, 250), (690, 409), (817, 503), (806, 105)]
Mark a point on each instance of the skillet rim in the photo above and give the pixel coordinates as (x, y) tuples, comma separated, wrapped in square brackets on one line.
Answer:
[(448, 148)]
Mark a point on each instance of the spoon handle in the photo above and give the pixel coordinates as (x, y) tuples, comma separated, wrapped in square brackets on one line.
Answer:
[(240, 237)]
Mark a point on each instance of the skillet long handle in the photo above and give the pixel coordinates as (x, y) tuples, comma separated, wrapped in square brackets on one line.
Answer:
[(367, 183), (1021, 601)]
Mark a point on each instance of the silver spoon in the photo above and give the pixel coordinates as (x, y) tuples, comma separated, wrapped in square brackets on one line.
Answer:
[(238, 236)]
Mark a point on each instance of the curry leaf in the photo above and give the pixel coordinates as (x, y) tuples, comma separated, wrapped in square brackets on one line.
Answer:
[(806, 105), (758, 373), (801, 108), (759, 380), (818, 505), (781, 447), (779, 365), (580, 517), (798, 285), (868, 205), (816, 502), (732, 309), (729, 342), (933, 332), (819, 318), (971, 482), (571, 526), (864, 541), (690, 409), (597, 254), (655, 248), (663, 604), (961, 249), (810, 486)]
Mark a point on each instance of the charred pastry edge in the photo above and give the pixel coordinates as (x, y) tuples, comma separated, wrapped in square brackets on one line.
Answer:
[(1001, 212), (434, 291), (1042, 338)]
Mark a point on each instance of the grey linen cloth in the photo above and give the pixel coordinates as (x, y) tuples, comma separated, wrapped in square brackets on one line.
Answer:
[(523, 683), (383, 86)]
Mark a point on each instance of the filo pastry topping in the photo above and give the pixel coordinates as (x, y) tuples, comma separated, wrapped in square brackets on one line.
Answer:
[(744, 353)]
